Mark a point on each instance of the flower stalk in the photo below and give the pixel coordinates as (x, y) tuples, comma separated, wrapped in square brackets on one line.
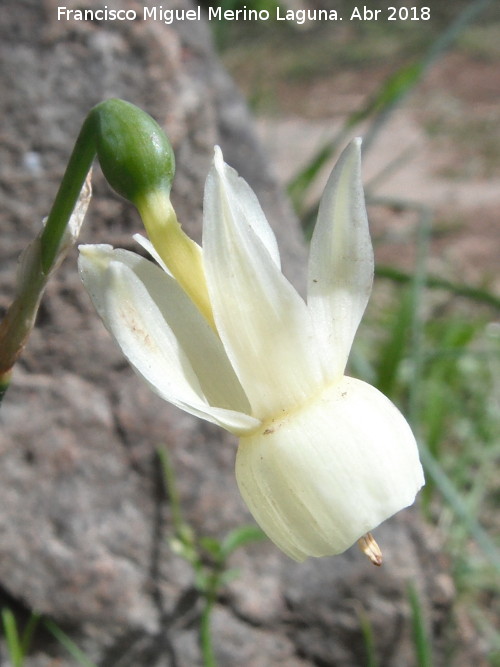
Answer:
[(32, 278), (137, 160), (181, 254)]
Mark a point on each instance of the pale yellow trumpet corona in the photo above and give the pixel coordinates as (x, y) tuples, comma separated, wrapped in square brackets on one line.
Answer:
[(322, 458)]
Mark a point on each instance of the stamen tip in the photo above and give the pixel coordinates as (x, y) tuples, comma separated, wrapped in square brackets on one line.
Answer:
[(371, 549)]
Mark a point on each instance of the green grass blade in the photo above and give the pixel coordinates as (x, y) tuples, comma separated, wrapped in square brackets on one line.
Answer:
[(391, 91), (394, 350), (388, 94), (239, 537), (476, 294), (451, 495), (28, 632), (368, 639), (12, 638), (171, 489), (206, 644), (301, 182), (402, 82), (423, 649), (417, 326), (68, 644), (384, 102)]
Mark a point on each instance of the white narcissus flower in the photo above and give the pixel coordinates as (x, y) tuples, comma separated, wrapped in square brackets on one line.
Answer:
[(322, 458)]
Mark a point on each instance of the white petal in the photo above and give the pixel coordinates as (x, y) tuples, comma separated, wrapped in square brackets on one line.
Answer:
[(321, 477), (151, 250), (248, 206), (262, 321), (340, 262), (164, 337)]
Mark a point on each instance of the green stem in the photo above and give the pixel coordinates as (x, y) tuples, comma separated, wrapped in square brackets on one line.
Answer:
[(20, 316), (28, 632), (136, 158), (368, 638), (12, 638), (74, 177), (75, 652), (172, 491), (207, 588), (41, 257), (423, 649), (207, 649)]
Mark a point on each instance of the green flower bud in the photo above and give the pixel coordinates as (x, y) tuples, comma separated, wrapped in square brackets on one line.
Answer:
[(134, 153)]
